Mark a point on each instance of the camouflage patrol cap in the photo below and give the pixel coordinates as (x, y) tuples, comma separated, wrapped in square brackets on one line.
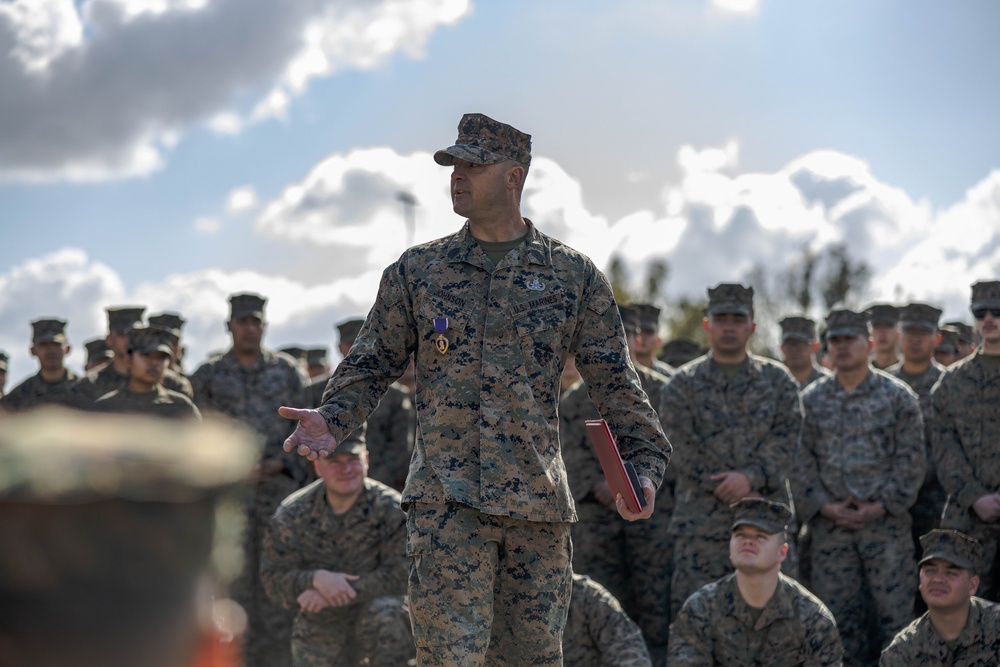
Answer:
[(680, 351), (985, 294), (151, 339), (844, 322), (123, 318), (295, 352), (649, 315), (48, 331), (316, 356), (482, 140), (949, 341), (769, 516), (246, 305), (919, 316), (168, 320), (98, 349), (963, 330), (952, 546), (730, 298), (3, 361), (798, 327), (882, 313), (630, 318), (354, 443), (349, 330)]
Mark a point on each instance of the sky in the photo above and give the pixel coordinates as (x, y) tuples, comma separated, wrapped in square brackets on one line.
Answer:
[(169, 153)]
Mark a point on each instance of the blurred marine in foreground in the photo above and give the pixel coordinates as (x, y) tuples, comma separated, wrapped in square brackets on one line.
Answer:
[(111, 552)]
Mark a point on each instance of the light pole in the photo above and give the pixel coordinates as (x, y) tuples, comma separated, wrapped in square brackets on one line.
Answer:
[(409, 202)]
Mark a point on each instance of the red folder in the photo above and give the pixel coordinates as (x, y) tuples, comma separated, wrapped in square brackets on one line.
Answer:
[(620, 474)]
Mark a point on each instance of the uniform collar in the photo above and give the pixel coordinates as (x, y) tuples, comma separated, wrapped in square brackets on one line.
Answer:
[(463, 247), (777, 608)]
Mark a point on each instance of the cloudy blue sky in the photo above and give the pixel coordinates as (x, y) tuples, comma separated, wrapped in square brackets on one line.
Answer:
[(171, 152)]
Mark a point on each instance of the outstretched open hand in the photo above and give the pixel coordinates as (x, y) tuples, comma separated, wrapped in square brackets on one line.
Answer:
[(311, 438)]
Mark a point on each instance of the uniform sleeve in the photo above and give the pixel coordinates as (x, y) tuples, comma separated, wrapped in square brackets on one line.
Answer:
[(690, 643), (773, 458), (202, 388), (955, 472), (823, 640), (379, 355), (807, 487), (603, 361), (616, 636), (280, 566), (390, 577), (896, 655), (691, 460), (909, 463)]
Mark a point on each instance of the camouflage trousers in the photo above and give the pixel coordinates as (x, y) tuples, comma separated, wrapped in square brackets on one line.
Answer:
[(374, 634), (868, 579), (702, 559), (486, 589), (269, 629), (634, 561)]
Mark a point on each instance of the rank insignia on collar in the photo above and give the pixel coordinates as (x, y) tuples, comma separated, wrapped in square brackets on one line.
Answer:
[(536, 286), (440, 326)]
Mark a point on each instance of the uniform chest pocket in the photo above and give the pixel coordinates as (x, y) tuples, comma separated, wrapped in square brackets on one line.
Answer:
[(541, 333), (271, 382)]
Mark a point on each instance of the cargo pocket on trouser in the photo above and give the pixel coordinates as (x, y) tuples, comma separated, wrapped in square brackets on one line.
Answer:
[(451, 578)]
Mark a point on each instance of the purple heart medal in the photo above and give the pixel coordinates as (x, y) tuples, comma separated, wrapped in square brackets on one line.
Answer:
[(440, 326)]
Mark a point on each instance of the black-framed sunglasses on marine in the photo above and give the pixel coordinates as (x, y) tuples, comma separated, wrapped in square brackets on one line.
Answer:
[(980, 313)]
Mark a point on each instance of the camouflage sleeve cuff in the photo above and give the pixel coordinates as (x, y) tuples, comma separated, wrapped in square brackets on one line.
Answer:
[(340, 422), (969, 494), (303, 581), (757, 478), (650, 466)]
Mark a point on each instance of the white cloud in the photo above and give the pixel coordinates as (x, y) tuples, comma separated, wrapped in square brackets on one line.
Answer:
[(241, 200), (226, 122), (79, 101), (349, 201), (64, 284), (41, 30)]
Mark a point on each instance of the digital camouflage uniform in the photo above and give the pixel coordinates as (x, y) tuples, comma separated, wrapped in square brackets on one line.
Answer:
[(749, 423), (253, 396), (869, 444), (161, 402), (487, 430), (369, 541), (965, 431), (598, 631), (926, 512), (106, 379), (716, 627), (390, 432), (920, 644), (633, 560), (36, 390), (390, 429)]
